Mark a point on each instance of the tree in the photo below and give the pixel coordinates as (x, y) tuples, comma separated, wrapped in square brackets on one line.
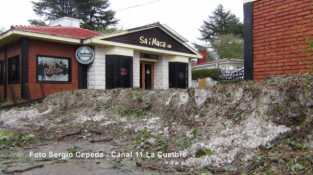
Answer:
[(220, 23), (37, 22), (229, 46), (94, 13), (53, 9)]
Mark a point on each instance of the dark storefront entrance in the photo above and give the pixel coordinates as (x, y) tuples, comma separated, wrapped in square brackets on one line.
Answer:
[(118, 71), (146, 75), (178, 75)]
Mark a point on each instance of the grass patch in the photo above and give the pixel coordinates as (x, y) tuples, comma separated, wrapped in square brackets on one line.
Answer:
[(14, 139), (137, 96), (73, 150), (162, 143), (194, 133), (204, 152), (289, 156), (296, 145), (142, 139), (131, 112), (142, 136), (295, 167), (183, 142)]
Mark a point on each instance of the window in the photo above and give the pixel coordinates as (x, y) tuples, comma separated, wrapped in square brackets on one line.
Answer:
[(118, 71), (1, 72), (14, 70), (53, 69), (178, 75)]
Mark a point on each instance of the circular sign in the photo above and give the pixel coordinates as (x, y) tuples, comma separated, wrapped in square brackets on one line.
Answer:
[(85, 55)]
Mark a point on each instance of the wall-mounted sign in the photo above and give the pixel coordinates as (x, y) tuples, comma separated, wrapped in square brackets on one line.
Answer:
[(85, 55), (154, 42)]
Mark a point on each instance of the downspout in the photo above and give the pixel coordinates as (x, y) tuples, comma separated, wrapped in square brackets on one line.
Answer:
[(25, 70), (5, 72), (248, 40)]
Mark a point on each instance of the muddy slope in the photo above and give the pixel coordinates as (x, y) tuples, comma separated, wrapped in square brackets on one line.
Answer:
[(229, 128)]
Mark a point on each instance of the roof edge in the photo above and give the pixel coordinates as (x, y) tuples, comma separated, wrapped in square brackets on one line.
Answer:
[(12, 32), (96, 41)]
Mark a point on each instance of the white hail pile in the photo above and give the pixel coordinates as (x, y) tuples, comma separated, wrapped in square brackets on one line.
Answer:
[(229, 143)]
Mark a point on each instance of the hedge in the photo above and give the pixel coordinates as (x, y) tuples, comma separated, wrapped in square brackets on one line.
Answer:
[(215, 74)]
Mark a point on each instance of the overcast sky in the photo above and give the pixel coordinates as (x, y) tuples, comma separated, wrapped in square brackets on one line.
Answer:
[(183, 16)]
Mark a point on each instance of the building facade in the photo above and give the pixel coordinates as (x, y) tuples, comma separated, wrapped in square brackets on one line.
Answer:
[(278, 37), (38, 61)]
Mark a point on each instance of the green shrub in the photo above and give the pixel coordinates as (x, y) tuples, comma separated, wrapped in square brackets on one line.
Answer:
[(215, 74)]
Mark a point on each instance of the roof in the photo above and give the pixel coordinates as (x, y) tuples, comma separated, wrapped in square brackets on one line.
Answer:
[(68, 32), (80, 36)]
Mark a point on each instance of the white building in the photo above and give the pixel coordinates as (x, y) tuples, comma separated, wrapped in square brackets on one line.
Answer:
[(36, 61)]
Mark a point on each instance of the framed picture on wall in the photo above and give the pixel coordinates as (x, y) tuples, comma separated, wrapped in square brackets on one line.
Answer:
[(53, 69)]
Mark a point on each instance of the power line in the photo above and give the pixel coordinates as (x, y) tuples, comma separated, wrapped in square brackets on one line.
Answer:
[(139, 5)]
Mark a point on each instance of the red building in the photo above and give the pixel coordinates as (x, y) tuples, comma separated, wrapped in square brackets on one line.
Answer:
[(277, 37), (19, 50)]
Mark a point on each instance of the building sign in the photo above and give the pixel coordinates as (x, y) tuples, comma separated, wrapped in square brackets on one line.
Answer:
[(85, 55), (52, 69), (152, 38), (154, 42)]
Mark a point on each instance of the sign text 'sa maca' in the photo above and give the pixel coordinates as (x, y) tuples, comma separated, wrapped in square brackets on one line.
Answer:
[(154, 42)]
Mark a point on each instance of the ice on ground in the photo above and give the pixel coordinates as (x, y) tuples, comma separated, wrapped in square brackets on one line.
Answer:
[(95, 118), (15, 118), (151, 124), (168, 101), (183, 98), (201, 96), (242, 139)]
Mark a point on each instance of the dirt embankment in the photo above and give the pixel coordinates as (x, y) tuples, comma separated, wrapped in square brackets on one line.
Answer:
[(230, 128)]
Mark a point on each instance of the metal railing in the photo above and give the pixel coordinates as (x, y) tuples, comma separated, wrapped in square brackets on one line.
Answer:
[(235, 75)]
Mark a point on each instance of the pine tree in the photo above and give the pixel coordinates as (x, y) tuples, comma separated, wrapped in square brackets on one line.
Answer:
[(228, 46), (53, 9), (94, 13), (220, 23)]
